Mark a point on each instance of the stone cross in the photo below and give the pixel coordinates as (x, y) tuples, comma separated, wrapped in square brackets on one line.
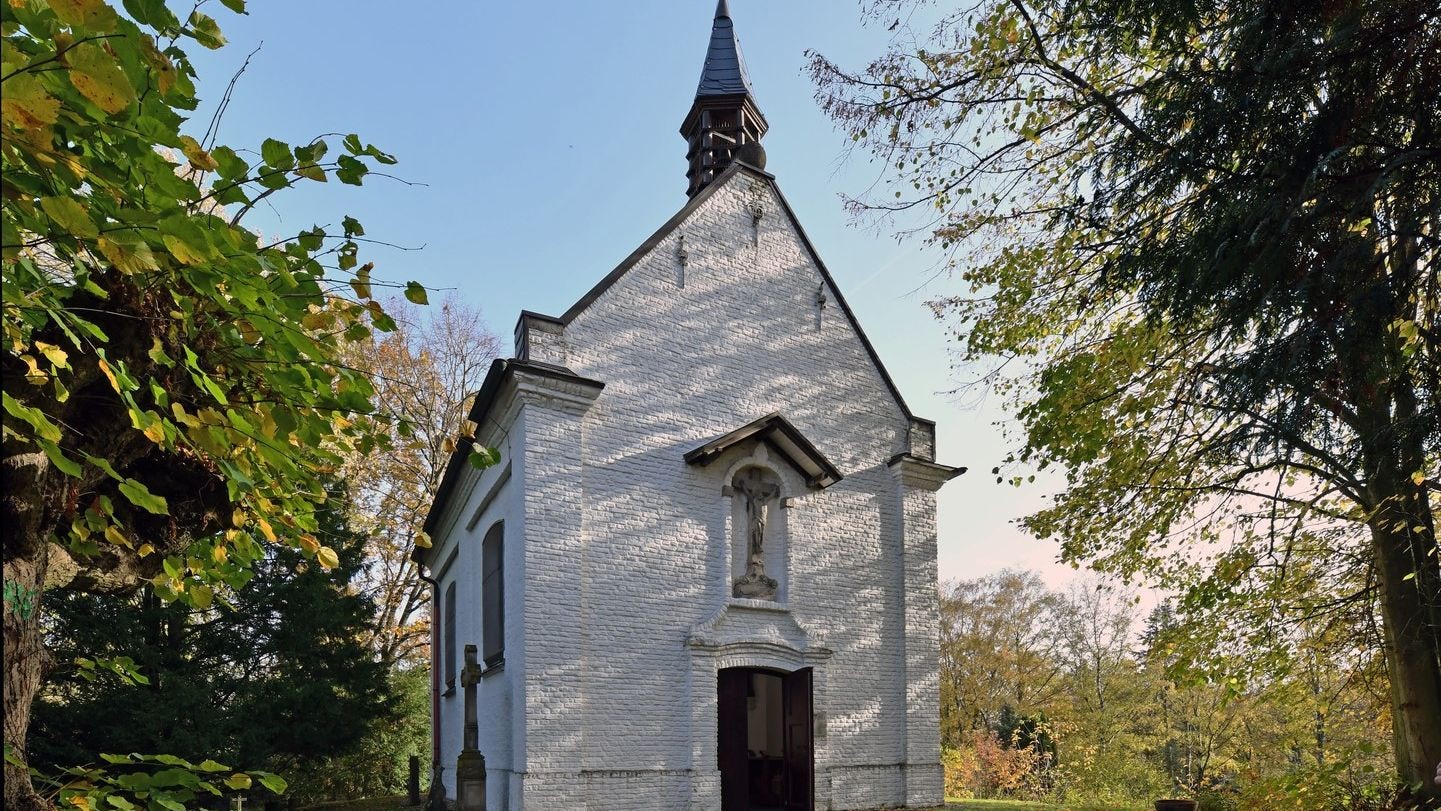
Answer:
[(469, 678)]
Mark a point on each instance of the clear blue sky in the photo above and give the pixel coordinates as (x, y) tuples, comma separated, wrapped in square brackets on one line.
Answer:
[(546, 135)]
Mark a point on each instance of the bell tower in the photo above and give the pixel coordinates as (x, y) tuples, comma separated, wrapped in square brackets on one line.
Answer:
[(724, 123)]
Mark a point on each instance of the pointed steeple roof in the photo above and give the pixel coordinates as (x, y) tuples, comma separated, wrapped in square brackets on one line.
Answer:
[(724, 73), (724, 124)]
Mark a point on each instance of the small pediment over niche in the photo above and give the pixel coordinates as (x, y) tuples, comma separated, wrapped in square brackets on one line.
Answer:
[(777, 433)]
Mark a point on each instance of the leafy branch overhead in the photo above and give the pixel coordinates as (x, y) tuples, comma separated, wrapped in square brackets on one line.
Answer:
[(134, 301), (174, 390)]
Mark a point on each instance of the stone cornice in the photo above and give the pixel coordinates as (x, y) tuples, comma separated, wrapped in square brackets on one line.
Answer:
[(912, 471)]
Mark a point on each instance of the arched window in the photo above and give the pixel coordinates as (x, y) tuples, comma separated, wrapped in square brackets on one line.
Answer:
[(492, 594), (449, 623)]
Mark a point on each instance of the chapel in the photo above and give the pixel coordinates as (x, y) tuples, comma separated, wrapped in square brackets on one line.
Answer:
[(703, 574)]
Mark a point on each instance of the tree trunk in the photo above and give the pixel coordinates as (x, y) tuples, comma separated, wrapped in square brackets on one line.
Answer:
[(1407, 568), (25, 664)]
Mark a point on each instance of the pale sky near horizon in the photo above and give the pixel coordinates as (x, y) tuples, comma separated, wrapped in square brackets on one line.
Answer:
[(546, 135)]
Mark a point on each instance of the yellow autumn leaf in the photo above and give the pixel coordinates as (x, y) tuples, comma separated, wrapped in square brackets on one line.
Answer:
[(265, 529), (116, 537), (422, 540), (219, 553), (182, 250), (127, 258), (308, 543), (145, 550), (326, 557), (197, 156), (95, 15), (25, 105), (98, 77), (53, 353), (155, 432), (34, 375), (105, 370), (238, 781)]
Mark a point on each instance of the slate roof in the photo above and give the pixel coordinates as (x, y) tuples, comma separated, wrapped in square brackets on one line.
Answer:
[(724, 73)]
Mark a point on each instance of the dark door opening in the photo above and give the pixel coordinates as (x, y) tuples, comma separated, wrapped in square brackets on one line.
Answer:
[(764, 740)]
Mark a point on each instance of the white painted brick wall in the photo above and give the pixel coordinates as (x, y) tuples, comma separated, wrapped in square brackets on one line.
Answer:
[(624, 545)]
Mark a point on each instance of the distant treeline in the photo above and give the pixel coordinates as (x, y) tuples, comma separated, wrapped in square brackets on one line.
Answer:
[(1084, 696)]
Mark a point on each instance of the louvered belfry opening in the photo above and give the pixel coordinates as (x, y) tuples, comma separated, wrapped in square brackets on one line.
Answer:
[(724, 117)]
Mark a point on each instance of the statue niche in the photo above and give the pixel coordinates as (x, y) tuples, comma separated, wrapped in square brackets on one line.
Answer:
[(759, 491)]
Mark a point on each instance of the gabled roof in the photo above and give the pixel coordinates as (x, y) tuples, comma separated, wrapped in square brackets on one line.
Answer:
[(787, 440), (724, 72), (689, 208)]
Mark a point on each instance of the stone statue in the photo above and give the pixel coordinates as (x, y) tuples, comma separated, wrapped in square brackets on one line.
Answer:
[(758, 493)]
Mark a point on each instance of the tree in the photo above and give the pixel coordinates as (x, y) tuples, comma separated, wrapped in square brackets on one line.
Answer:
[(426, 372), (1000, 647), (1203, 240), (172, 388), (278, 679)]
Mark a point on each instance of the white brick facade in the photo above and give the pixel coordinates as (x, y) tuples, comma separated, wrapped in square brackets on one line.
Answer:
[(619, 556)]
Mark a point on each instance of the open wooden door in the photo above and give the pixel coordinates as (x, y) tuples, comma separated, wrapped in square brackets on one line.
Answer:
[(800, 755), (731, 738)]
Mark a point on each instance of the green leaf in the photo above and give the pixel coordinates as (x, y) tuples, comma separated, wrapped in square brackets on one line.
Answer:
[(274, 782), (44, 428), (237, 6), (415, 292), (230, 165), (349, 170), (70, 216), (140, 495), (205, 30), (58, 458), (482, 457), (152, 13), (276, 154)]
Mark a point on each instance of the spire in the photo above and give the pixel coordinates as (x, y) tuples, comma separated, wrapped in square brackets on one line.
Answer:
[(724, 123)]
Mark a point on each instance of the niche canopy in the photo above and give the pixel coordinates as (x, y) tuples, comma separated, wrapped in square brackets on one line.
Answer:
[(783, 438)]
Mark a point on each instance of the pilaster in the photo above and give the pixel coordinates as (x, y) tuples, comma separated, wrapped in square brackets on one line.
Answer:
[(551, 548), (917, 481)]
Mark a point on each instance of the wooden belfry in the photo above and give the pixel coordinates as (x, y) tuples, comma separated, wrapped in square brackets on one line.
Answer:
[(724, 123)]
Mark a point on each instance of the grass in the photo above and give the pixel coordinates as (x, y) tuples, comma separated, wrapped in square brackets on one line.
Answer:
[(399, 803), (1021, 805)]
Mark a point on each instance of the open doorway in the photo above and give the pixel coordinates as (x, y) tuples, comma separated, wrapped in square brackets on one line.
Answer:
[(764, 739)]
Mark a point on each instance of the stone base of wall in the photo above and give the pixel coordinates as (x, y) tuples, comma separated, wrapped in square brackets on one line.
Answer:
[(925, 785), (839, 788), (867, 787)]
